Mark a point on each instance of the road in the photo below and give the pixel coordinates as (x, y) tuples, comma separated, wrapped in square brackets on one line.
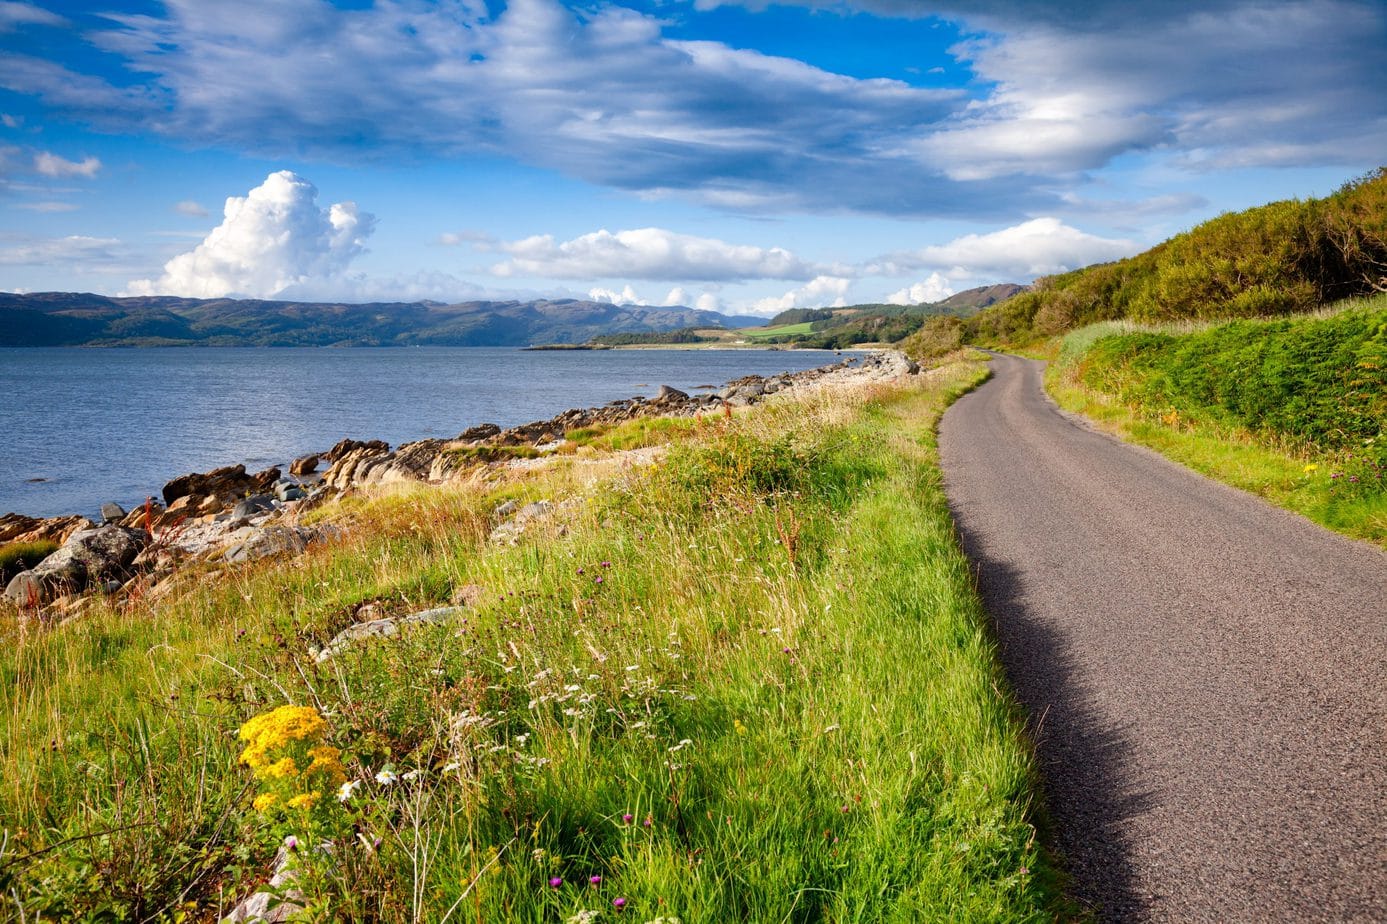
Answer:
[(1206, 674)]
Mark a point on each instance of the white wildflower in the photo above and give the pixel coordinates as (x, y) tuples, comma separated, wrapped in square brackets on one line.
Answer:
[(386, 777), (347, 790)]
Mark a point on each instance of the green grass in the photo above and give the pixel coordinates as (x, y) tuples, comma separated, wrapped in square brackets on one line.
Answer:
[(1292, 410), (766, 650), (784, 330), (17, 556)]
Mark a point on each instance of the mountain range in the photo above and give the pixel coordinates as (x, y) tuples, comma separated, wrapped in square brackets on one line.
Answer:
[(85, 319)]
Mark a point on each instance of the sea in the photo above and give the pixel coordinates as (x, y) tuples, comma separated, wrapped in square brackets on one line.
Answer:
[(80, 427)]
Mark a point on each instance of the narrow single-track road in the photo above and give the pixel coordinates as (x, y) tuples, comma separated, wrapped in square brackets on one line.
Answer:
[(1206, 674)]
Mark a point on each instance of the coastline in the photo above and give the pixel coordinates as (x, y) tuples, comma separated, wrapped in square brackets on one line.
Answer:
[(231, 515)]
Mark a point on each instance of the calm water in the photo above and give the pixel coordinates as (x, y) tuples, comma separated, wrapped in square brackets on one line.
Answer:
[(101, 425)]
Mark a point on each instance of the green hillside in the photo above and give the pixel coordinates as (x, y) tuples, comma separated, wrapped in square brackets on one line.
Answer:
[(1278, 259)]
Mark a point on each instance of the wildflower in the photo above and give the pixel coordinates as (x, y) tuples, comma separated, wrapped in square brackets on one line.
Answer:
[(583, 917), (346, 790), (410, 775), (370, 845), (305, 800), (386, 777), (618, 903), (598, 579), (452, 766), (594, 880), (627, 818), (555, 882), (648, 821), (738, 727), (1312, 467), (291, 843), (264, 801)]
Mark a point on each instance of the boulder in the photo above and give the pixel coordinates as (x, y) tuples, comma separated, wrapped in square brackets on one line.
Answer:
[(89, 555), (277, 901), (251, 543), (304, 465), (669, 395), (230, 481), (387, 627), (344, 447), (252, 506), (288, 491), (413, 461), (111, 512), (16, 527)]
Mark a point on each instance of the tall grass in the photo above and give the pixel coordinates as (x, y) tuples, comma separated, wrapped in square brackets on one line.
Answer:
[(751, 682)]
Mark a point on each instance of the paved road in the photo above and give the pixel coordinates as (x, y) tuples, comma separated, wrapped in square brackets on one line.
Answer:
[(1207, 674)]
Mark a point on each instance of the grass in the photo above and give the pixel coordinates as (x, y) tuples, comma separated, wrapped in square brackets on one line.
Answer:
[(751, 682), (784, 330), (1330, 483)]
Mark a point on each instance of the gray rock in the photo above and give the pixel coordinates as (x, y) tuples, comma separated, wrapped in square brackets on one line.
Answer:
[(88, 555), (386, 627), (289, 491), (112, 512), (272, 540), (669, 395), (277, 902), (252, 506), (506, 509)]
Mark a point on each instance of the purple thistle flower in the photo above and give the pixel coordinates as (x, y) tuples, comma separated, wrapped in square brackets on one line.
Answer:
[(595, 880), (555, 882), (599, 580), (627, 818), (618, 903)]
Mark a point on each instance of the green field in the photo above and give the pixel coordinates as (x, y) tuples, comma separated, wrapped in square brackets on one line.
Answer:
[(784, 330), (750, 683)]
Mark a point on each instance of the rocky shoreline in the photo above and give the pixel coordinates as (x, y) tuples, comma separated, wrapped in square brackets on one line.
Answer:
[(230, 515)]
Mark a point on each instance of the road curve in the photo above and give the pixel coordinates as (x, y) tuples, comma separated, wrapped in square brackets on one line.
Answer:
[(1206, 674)]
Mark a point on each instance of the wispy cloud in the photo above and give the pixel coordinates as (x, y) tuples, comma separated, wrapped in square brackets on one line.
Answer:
[(48, 207), (13, 15), (46, 163), (190, 208)]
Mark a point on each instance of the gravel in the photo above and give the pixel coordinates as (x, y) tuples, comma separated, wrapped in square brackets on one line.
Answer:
[(1206, 674)]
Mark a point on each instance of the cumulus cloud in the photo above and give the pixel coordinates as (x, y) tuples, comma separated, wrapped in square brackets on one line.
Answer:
[(627, 296), (820, 292), (1039, 247), (49, 164), (190, 208), (934, 289), (274, 238), (648, 253)]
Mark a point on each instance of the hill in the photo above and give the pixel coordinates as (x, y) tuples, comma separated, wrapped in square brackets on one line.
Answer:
[(837, 328), (1274, 260), (84, 319)]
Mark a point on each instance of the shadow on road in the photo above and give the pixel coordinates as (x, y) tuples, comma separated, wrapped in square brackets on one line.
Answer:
[(1083, 761)]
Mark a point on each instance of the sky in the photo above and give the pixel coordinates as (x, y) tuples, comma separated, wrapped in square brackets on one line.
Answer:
[(746, 156)]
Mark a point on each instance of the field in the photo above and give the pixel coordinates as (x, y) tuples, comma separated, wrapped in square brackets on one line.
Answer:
[(748, 682)]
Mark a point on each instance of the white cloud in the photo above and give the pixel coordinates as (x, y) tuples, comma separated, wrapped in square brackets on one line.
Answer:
[(76, 249), (274, 238), (479, 239), (49, 164), (934, 289), (190, 208), (707, 301), (648, 253), (821, 292), (1038, 247), (627, 296), (48, 206), (14, 15)]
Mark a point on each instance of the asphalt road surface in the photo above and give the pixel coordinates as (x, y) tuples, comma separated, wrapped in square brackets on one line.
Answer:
[(1206, 674)]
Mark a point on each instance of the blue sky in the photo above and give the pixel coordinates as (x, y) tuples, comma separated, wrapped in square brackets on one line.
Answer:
[(744, 155)]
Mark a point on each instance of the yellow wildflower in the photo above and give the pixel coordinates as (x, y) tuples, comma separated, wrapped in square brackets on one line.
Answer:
[(1311, 468), (305, 800), (264, 801), (280, 769), (738, 727)]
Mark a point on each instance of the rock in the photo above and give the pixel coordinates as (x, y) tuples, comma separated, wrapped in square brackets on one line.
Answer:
[(354, 464), (88, 555), (112, 512), (336, 453), (252, 506), (16, 527), (304, 465), (505, 509), (387, 627), (252, 544), (277, 902), (669, 395), (512, 530), (479, 432), (413, 461), (288, 491), (231, 481)]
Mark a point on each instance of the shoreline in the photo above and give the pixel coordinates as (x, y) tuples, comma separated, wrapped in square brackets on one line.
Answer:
[(234, 516)]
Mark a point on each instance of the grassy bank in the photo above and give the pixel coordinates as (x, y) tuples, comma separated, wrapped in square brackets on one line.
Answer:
[(1292, 409), (751, 682)]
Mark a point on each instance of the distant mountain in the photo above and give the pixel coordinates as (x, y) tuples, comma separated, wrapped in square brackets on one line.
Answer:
[(83, 319)]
